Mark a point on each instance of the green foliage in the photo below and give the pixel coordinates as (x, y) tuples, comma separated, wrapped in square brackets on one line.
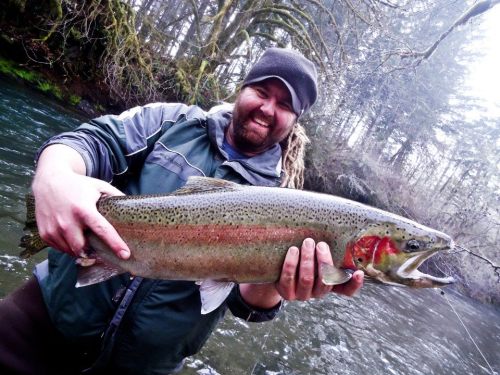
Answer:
[(194, 86), (11, 69), (74, 100), (44, 86), (75, 34), (55, 9), (49, 88)]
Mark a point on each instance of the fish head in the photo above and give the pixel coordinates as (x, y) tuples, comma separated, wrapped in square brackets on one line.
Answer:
[(391, 253)]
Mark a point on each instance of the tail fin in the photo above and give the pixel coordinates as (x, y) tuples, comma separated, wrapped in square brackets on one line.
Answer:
[(31, 242)]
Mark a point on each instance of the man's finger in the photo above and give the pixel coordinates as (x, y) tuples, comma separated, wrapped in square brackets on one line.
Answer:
[(52, 236), (306, 270), (107, 233), (350, 288), (323, 256), (58, 242), (287, 282), (76, 241), (71, 232), (107, 189)]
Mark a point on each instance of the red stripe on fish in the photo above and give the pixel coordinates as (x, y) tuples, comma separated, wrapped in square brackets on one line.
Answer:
[(221, 233)]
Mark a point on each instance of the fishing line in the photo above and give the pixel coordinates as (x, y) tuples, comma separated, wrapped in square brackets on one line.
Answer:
[(263, 347), (466, 330)]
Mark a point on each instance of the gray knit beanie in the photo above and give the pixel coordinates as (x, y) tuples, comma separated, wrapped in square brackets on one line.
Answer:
[(294, 70)]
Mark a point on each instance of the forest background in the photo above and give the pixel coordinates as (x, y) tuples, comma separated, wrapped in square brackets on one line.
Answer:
[(393, 126)]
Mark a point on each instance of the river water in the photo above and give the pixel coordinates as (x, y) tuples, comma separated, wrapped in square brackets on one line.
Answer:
[(384, 330)]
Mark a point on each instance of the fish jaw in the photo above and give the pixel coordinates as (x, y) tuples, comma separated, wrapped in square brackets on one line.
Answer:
[(410, 275), (382, 259)]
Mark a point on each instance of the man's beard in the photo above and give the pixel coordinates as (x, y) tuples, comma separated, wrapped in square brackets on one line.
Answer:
[(246, 139)]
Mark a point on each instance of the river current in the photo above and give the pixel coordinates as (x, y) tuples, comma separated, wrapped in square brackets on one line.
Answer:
[(383, 330)]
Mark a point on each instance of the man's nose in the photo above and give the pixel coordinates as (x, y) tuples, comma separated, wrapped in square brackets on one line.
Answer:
[(268, 107)]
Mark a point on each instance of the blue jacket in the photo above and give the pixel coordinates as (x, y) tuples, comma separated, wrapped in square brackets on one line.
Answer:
[(147, 150)]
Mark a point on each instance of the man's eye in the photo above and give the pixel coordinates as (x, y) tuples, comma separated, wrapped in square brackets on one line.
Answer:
[(261, 92), (287, 106)]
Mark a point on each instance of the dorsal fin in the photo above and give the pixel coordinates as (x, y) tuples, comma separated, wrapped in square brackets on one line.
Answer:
[(206, 185)]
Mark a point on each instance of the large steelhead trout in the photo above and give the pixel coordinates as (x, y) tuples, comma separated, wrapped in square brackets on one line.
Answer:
[(218, 230)]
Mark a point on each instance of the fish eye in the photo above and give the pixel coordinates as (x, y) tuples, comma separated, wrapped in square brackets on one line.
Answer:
[(413, 245)]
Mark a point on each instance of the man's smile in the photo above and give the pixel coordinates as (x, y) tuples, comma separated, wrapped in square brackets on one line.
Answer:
[(261, 122)]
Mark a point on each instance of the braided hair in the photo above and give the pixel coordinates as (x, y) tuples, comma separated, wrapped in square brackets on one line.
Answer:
[(293, 154)]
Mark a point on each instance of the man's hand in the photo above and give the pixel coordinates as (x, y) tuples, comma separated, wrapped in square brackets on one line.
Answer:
[(66, 203), (300, 278)]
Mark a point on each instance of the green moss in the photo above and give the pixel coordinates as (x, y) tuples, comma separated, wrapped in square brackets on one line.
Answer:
[(74, 99), (50, 88), (10, 68), (6, 67), (44, 86), (57, 92), (27, 75), (75, 33)]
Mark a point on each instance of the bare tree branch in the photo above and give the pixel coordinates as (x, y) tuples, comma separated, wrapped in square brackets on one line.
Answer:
[(475, 10), (496, 267)]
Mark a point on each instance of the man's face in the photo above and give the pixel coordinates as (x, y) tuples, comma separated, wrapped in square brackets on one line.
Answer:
[(262, 116)]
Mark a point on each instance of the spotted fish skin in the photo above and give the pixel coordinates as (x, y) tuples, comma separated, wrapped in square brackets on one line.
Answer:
[(219, 230)]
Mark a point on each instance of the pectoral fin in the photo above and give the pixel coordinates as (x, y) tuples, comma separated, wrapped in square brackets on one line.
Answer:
[(96, 273), (213, 294), (331, 275)]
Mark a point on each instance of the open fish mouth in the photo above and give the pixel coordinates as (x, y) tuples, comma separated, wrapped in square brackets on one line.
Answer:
[(408, 272)]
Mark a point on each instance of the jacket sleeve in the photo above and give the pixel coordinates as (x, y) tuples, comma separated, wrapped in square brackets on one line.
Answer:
[(110, 144), (241, 309)]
